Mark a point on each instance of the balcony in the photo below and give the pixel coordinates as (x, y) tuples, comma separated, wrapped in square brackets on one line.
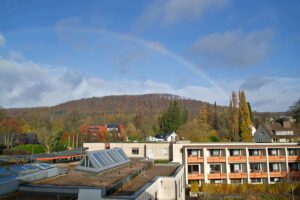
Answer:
[(281, 174), (237, 159), (238, 175), (216, 159), (276, 158), (260, 174), (293, 158), (217, 176), (195, 159), (257, 159), (294, 174), (195, 176)]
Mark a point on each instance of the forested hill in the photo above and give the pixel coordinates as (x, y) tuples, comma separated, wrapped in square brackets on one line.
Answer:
[(147, 104), (114, 109)]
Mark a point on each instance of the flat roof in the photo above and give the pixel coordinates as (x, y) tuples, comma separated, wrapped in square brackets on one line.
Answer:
[(105, 179), (140, 180)]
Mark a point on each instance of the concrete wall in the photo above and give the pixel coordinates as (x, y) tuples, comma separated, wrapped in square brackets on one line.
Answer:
[(95, 194), (40, 175), (157, 151), (9, 186), (165, 188)]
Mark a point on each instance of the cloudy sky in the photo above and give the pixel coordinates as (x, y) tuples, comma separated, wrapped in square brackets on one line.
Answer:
[(53, 51)]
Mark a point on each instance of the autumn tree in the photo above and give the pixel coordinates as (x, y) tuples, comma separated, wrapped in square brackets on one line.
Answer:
[(71, 127), (3, 113), (172, 118), (244, 120), (234, 118), (46, 127), (203, 117), (9, 127), (215, 120)]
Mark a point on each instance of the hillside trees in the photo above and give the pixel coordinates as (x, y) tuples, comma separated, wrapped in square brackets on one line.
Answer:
[(46, 128), (203, 117), (234, 118), (172, 118), (71, 128), (215, 120), (9, 127)]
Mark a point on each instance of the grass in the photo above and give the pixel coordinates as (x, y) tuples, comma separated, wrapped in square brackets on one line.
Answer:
[(161, 161), (30, 148)]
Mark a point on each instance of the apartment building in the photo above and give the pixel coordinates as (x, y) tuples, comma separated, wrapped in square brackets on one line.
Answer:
[(222, 162), (241, 163)]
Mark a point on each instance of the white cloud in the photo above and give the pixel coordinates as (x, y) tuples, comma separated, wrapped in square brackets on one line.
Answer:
[(2, 40), (272, 93), (170, 11), (234, 48), (26, 84)]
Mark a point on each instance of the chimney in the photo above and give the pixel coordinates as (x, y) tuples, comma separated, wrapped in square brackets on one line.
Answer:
[(286, 124)]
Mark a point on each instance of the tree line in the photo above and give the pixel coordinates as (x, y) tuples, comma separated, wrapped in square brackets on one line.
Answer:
[(209, 125)]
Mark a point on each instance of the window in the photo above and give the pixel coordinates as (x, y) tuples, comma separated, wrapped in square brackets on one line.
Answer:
[(256, 180), (215, 152), (294, 166), (275, 180), (254, 152), (193, 169), (192, 152), (235, 168), (254, 167), (236, 181), (292, 152), (273, 152), (215, 168), (216, 181), (135, 151), (274, 167), (235, 152)]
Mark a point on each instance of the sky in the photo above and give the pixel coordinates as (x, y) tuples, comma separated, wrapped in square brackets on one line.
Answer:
[(53, 51)]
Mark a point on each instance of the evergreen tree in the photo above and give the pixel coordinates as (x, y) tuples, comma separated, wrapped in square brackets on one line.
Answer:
[(203, 116), (250, 111), (172, 119), (234, 118), (215, 118), (245, 121), (295, 110)]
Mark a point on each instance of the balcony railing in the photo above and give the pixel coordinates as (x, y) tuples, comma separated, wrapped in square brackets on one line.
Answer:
[(238, 175), (216, 159), (294, 173), (237, 159), (276, 158), (261, 174), (278, 174), (257, 159), (294, 158), (195, 159), (217, 176), (195, 176)]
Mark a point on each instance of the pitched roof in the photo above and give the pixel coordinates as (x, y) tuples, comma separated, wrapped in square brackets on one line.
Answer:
[(275, 126)]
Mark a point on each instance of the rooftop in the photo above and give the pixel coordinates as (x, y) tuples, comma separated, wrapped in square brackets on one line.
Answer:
[(105, 179)]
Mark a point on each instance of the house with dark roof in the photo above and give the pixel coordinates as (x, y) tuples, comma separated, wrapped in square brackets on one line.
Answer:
[(276, 132)]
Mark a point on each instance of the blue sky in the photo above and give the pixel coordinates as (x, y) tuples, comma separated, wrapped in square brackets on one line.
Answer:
[(55, 51)]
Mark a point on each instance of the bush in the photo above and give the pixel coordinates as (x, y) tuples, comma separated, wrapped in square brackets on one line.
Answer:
[(29, 148), (59, 147), (194, 186)]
